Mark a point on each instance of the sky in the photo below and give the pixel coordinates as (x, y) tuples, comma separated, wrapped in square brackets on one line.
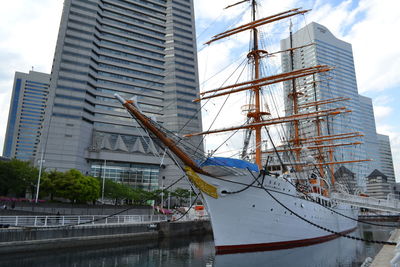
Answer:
[(29, 28)]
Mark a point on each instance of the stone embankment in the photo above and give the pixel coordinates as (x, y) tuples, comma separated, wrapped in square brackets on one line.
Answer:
[(15, 240)]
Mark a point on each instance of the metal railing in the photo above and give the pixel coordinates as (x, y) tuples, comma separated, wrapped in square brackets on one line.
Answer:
[(58, 220), (390, 205)]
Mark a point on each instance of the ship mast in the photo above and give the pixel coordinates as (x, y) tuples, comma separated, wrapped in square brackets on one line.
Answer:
[(256, 114), (294, 94)]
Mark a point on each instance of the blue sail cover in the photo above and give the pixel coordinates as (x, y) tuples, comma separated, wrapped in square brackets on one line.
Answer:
[(229, 162)]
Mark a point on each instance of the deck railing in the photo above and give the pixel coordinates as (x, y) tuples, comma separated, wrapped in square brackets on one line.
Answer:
[(389, 205)]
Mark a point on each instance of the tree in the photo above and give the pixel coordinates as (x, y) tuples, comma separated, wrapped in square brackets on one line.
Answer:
[(48, 184), (116, 191), (181, 194), (73, 185), (16, 177), (141, 196)]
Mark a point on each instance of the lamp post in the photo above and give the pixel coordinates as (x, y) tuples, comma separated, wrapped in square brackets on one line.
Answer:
[(40, 174), (162, 191), (169, 200), (104, 181)]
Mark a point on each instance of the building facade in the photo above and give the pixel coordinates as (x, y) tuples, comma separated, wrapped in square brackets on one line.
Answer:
[(370, 138), (386, 160), (378, 185), (321, 47), (26, 115), (137, 48)]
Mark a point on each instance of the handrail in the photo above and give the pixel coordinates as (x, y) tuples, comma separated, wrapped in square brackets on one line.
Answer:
[(81, 220), (369, 202)]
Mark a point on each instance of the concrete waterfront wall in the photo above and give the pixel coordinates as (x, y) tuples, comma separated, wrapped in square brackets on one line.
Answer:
[(36, 239)]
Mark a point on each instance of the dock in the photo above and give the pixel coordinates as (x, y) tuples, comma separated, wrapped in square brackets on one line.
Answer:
[(387, 253)]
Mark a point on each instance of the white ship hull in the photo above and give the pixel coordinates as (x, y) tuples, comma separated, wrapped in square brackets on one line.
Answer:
[(251, 220)]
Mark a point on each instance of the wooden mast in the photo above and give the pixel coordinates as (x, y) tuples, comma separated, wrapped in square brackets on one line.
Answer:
[(168, 142), (294, 94), (257, 115)]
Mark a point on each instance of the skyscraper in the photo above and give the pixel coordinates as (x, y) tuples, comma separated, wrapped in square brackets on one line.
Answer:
[(370, 136), (136, 48), (25, 119), (386, 160), (321, 47)]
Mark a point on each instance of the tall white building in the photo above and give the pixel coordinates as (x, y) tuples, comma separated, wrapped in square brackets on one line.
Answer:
[(325, 49)]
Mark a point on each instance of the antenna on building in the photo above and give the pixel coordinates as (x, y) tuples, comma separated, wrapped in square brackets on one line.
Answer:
[(32, 68)]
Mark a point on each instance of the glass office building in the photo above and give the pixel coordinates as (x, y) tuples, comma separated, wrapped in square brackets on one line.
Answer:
[(386, 159), (26, 115), (137, 48), (339, 82)]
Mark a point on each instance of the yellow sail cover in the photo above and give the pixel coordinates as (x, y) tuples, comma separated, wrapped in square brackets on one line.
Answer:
[(201, 184)]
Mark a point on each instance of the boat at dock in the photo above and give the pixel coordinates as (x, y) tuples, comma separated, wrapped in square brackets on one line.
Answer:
[(270, 198)]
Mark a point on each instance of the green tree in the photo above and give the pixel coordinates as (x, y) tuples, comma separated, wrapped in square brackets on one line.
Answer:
[(75, 186), (48, 184), (116, 191), (16, 177), (181, 194), (141, 196)]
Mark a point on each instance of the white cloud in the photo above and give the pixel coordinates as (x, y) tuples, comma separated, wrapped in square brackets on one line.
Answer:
[(382, 112), (28, 34), (369, 27)]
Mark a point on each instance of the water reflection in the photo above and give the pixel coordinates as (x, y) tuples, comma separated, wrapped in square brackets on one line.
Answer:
[(200, 252)]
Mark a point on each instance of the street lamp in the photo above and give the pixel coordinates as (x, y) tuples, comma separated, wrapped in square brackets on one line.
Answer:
[(162, 191), (40, 174), (104, 180)]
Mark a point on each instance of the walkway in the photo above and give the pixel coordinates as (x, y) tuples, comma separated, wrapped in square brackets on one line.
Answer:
[(390, 205)]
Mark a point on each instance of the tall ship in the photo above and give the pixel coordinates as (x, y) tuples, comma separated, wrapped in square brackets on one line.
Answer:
[(270, 196)]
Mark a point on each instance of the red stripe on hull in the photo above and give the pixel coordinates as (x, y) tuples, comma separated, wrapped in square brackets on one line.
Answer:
[(277, 245)]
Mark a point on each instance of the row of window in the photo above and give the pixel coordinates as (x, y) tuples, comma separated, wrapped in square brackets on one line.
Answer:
[(129, 86), (137, 28), (147, 10), (136, 35), (130, 79), (140, 73), (129, 95), (125, 62), (133, 19), (132, 56), (147, 17), (132, 48)]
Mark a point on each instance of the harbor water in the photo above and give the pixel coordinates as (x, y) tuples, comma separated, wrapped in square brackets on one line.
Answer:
[(199, 251)]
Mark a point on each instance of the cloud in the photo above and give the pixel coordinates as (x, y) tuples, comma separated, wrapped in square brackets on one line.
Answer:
[(368, 26), (382, 112), (28, 35)]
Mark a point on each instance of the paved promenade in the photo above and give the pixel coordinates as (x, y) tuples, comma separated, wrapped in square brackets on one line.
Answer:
[(386, 254)]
